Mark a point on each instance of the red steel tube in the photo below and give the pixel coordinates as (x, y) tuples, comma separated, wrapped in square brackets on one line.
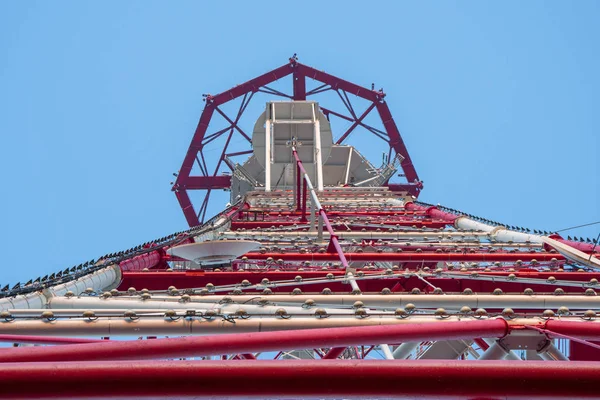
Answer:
[(481, 343), (433, 212), (581, 330), (45, 339), (334, 353), (302, 378), (406, 256), (304, 199), (194, 346), (585, 247), (298, 188), (140, 262)]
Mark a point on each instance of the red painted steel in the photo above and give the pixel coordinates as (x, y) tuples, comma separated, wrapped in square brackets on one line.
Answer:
[(268, 224), (583, 352), (192, 346), (581, 330), (209, 180), (138, 263), (422, 256), (433, 212), (157, 280), (585, 247), (45, 339), (333, 241), (334, 353), (444, 379)]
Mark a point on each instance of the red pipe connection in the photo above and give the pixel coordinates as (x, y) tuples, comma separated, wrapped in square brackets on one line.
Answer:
[(433, 212), (194, 346), (445, 379)]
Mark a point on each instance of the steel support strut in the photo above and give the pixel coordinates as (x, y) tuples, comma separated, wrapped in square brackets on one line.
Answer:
[(302, 378), (257, 342)]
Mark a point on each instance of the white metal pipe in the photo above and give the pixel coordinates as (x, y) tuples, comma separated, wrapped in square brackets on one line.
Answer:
[(404, 350), (552, 353), (318, 154), (501, 234), (61, 303), (509, 354), (268, 150), (494, 352), (387, 352), (392, 301), (352, 281), (573, 254), (159, 326), (103, 279), (350, 151)]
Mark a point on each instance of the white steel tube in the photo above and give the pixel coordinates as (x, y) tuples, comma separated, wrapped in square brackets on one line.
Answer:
[(387, 352), (494, 352), (404, 350), (350, 150), (552, 353), (106, 278), (318, 153), (450, 301), (509, 354), (268, 125)]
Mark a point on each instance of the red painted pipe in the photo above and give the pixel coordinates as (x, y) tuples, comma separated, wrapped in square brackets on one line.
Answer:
[(581, 330), (334, 213), (303, 378), (140, 262), (298, 189), (334, 353), (585, 247), (433, 212), (194, 346), (236, 225), (481, 343), (423, 256), (45, 339)]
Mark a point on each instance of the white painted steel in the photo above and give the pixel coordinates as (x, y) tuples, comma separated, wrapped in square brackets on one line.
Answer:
[(425, 301), (104, 279), (318, 153), (268, 157), (404, 350), (215, 251)]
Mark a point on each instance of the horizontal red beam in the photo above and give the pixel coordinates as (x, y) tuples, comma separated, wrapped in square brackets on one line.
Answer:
[(442, 379), (161, 280), (45, 339), (334, 213), (406, 256), (205, 182), (581, 330), (194, 346), (267, 224)]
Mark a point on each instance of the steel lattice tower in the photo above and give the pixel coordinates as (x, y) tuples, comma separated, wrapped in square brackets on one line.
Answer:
[(322, 278)]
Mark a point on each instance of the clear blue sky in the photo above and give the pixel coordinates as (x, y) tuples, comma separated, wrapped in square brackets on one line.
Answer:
[(497, 102)]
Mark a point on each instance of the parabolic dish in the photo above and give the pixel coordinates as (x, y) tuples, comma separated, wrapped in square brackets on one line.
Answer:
[(214, 251)]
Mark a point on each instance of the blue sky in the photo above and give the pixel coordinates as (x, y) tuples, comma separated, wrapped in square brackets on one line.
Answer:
[(497, 103)]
